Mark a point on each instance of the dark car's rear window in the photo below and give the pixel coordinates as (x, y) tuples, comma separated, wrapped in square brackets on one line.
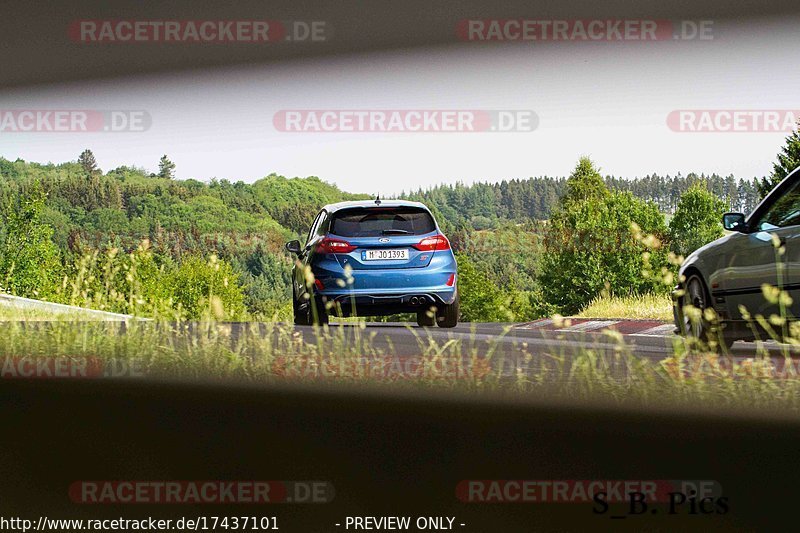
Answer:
[(376, 221)]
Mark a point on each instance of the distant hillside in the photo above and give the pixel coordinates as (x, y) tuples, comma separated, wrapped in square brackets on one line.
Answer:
[(243, 224), (126, 205), (246, 225), (482, 205)]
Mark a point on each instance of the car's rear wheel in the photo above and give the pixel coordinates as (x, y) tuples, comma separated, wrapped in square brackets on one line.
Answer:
[(426, 318), (305, 316), (447, 316), (300, 315)]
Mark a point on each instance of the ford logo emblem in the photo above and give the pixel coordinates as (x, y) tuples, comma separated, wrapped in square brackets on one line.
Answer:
[(384, 239)]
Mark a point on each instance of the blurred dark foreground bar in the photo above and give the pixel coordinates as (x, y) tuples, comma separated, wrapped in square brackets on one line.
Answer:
[(43, 42), (380, 454)]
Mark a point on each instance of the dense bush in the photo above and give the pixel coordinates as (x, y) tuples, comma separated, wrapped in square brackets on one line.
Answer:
[(509, 257), (481, 299), (30, 264), (144, 284), (266, 281), (594, 244), (112, 280), (697, 221), (209, 289)]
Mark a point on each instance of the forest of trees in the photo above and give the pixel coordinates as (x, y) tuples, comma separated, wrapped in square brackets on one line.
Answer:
[(107, 235), (482, 205), (86, 210)]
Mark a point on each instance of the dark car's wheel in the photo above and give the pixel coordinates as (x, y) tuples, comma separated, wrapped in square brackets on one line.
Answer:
[(300, 315), (447, 316), (305, 317), (426, 318), (696, 294)]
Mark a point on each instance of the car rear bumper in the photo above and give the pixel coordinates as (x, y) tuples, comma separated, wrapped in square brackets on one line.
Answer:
[(385, 291), (367, 303)]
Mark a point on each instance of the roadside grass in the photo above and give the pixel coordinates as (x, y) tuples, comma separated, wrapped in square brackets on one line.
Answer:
[(40, 310), (607, 370), (267, 353), (14, 313), (645, 306)]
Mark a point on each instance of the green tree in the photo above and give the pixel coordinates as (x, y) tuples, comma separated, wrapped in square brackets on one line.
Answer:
[(111, 280), (584, 184), (87, 161), (788, 160), (30, 264), (595, 243), (166, 168), (207, 289), (481, 299), (696, 221)]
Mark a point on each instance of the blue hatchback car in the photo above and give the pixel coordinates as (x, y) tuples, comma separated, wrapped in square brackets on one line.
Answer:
[(375, 258)]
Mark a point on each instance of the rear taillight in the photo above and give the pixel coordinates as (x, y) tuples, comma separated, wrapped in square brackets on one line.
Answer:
[(334, 246), (433, 244), (319, 285), (451, 280)]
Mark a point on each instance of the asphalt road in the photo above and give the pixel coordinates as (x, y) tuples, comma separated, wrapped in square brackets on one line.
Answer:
[(538, 348), (653, 340), (527, 348)]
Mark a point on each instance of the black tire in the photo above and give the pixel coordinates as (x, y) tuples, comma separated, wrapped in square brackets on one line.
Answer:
[(696, 294), (426, 318), (447, 316), (305, 317), (301, 317)]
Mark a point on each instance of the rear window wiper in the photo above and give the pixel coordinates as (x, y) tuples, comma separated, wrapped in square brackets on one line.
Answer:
[(396, 232)]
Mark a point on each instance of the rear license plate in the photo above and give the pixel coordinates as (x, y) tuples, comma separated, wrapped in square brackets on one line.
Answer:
[(384, 255)]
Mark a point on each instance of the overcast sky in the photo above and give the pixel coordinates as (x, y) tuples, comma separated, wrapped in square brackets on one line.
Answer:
[(606, 100)]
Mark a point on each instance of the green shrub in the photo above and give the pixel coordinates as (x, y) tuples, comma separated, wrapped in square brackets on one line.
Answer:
[(266, 281), (143, 284), (696, 221), (596, 243), (481, 299), (207, 289), (110, 280), (30, 263)]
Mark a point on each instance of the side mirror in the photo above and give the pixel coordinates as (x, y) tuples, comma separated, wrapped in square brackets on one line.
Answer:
[(294, 247), (733, 222)]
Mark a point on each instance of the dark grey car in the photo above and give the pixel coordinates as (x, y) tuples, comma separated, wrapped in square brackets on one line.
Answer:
[(728, 274)]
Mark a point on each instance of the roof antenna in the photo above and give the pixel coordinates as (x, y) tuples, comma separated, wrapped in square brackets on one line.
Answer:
[(378, 199)]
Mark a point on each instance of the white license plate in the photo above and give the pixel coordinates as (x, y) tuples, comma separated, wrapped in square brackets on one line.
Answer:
[(385, 255)]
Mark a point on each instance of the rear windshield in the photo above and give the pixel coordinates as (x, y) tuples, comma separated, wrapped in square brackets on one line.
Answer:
[(376, 221)]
